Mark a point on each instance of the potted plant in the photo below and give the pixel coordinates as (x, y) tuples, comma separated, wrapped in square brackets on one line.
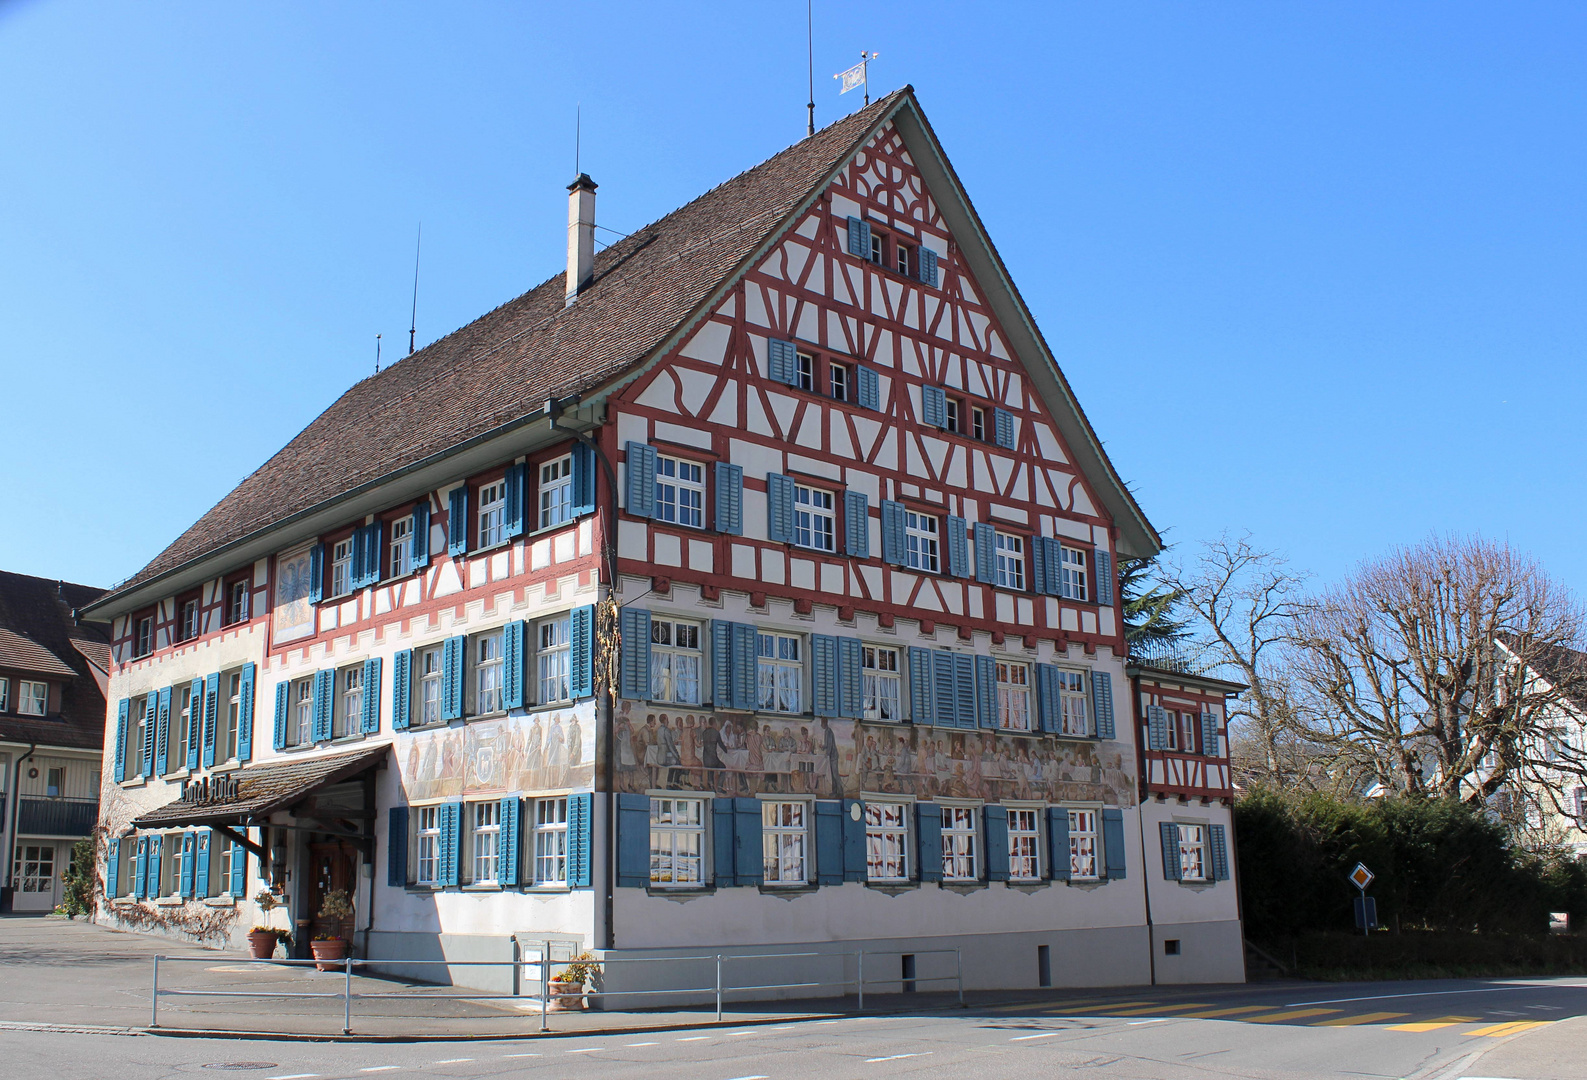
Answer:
[(262, 941), (328, 947), (583, 968)]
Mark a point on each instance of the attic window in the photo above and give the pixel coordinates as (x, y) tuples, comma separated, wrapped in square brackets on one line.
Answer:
[(877, 245), (904, 257), (32, 697)]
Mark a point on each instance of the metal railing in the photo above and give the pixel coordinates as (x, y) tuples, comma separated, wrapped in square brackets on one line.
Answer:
[(545, 966)]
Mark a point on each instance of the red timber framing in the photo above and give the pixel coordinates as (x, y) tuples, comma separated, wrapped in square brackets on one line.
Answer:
[(1186, 765), (167, 615)]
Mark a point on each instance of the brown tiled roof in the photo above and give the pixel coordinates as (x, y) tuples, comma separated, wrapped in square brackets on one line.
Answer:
[(96, 653), (24, 654), (504, 365), (264, 789), (1565, 668), (36, 627)]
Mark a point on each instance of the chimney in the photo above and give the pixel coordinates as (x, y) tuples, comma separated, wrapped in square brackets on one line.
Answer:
[(581, 235)]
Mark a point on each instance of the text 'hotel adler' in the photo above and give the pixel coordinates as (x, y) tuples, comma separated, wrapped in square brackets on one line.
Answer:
[(749, 589)]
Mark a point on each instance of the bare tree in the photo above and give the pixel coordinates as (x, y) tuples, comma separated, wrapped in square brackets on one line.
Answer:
[(1424, 669)]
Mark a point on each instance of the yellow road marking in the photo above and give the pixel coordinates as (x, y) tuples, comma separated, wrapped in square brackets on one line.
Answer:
[(1045, 1005), (1434, 1025), (1293, 1014), (1215, 1013), (1515, 1027), (1116, 1005), (1158, 1009), (1365, 1018)]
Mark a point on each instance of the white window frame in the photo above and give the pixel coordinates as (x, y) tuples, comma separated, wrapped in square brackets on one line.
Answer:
[(1024, 843), (228, 737), (301, 732), (400, 548), (785, 842), (838, 381), (342, 567), (191, 619), (492, 513), (1085, 844), (953, 415), (54, 777), (1074, 704), (170, 864), (815, 519), (901, 258), (548, 843), (141, 728), (878, 247), (1010, 561), (1195, 863), (143, 636), (680, 491), (888, 835), (677, 844), (237, 598), (978, 423), (185, 727), (882, 683), (427, 846), (487, 684), (961, 843), (779, 672), (5, 695), (431, 670), (920, 542), (33, 697), (347, 709), (35, 856), (1014, 711), (553, 659), (675, 661), (484, 842), (805, 371), (1075, 573), (556, 491)]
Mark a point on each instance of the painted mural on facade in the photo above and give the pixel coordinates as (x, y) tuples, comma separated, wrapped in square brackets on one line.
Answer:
[(542, 752), (736, 755), (293, 612)]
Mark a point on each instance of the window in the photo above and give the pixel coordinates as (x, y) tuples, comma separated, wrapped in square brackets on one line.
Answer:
[(978, 422), (347, 716), (342, 567), (784, 830), (953, 416), (779, 673), (959, 843), (556, 492), (1082, 845), (1192, 853), (920, 534), (805, 372), (1013, 696), (814, 522), (237, 602), (882, 684), (32, 697), (1072, 703), (484, 842), (54, 782), (877, 244), (902, 255), (886, 841), (228, 744), (427, 845), (185, 731), (677, 842), (553, 656), (551, 841), (675, 661), (5, 694), (430, 685), (143, 636), (680, 492), (302, 733), (838, 380), (1182, 732), (34, 868), (492, 513), (190, 620), (1024, 844), (170, 864), (1010, 561), (489, 667), (142, 723), (400, 551), (1074, 574)]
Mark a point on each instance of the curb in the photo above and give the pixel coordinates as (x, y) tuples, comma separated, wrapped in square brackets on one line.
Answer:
[(68, 1029)]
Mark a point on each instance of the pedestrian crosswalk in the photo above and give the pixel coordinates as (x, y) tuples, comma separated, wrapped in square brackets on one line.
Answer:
[(1275, 1014)]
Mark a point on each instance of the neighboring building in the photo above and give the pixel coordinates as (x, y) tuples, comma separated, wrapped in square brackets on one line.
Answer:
[(53, 675), (1547, 798), (750, 587)]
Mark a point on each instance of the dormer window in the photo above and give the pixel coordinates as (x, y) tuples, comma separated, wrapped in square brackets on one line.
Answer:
[(33, 698)]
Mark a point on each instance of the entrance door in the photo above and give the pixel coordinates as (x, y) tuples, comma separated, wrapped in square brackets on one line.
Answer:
[(34, 873), (333, 866)]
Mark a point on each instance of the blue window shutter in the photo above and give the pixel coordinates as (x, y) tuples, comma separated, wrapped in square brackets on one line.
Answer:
[(729, 498), (1156, 727), (1048, 707), (324, 684), (113, 869), (641, 479), (1209, 734), (377, 548), (748, 867), (421, 534), (744, 666), (853, 840), (928, 266), (151, 707), (721, 663), (985, 692), (581, 818), (633, 841), (1113, 842), (515, 512), (397, 847), (140, 869), (1220, 852), (245, 706), (123, 719), (507, 864), (279, 737), (189, 864), (1055, 573), (922, 696), (782, 361), (204, 840), (859, 237), (402, 690), (355, 569), (856, 524), (162, 730), (942, 689), (581, 652), (156, 856), (851, 678), (829, 842), (1058, 843), (1170, 835), (894, 549), (316, 573), (450, 820), (1003, 428), (985, 553), (195, 718), (958, 547), (934, 406), (454, 653), (371, 706), (1038, 566), (584, 483), (928, 841), (964, 689), (1102, 704), (1102, 576), (457, 521), (995, 825), (824, 674), (779, 508), (633, 669), (723, 855), (512, 663), (869, 388), (238, 883), (211, 715)]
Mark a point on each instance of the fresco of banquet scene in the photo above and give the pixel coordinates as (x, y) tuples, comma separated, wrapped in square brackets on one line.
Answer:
[(516, 753), (740, 755)]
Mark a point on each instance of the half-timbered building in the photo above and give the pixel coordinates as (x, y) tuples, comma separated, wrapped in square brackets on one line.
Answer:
[(749, 587)]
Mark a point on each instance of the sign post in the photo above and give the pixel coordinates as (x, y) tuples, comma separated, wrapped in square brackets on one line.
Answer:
[(1366, 906)]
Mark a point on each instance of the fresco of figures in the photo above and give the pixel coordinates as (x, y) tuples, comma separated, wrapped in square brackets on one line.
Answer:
[(741, 755), (542, 752)]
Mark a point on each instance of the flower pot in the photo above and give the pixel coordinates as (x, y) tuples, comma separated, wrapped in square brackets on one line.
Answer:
[(261, 945), (329, 954), (566, 996)]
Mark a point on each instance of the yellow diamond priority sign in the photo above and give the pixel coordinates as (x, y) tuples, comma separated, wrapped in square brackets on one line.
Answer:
[(1361, 876)]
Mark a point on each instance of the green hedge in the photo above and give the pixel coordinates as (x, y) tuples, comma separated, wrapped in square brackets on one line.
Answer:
[(1415, 954)]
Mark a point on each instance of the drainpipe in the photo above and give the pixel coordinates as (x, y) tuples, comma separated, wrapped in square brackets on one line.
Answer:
[(16, 808)]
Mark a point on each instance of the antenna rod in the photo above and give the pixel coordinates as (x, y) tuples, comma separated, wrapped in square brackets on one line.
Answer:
[(413, 325), (810, 44), (377, 354)]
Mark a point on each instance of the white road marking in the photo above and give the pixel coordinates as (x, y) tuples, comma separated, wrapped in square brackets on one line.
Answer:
[(895, 1057), (380, 1068), (751, 1078), (694, 1038), (586, 1050), (292, 1076), (643, 1044), (451, 1061), (1043, 1035), (1156, 1020), (519, 1055)]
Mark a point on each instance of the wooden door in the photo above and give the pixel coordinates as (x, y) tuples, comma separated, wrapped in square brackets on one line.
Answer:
[(332, 866)]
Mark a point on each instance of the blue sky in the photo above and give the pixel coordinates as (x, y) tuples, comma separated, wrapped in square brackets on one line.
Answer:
[(1315, 271)]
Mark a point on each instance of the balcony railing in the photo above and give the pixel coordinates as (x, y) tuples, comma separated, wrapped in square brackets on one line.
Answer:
[(56, 817), (1167, 657)]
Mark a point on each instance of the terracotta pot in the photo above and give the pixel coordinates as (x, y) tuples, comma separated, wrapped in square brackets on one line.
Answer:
[(262, 946), (566, 996), (330, 952)]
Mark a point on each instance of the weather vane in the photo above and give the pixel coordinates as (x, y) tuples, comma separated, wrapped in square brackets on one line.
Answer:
[(857, 76)]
